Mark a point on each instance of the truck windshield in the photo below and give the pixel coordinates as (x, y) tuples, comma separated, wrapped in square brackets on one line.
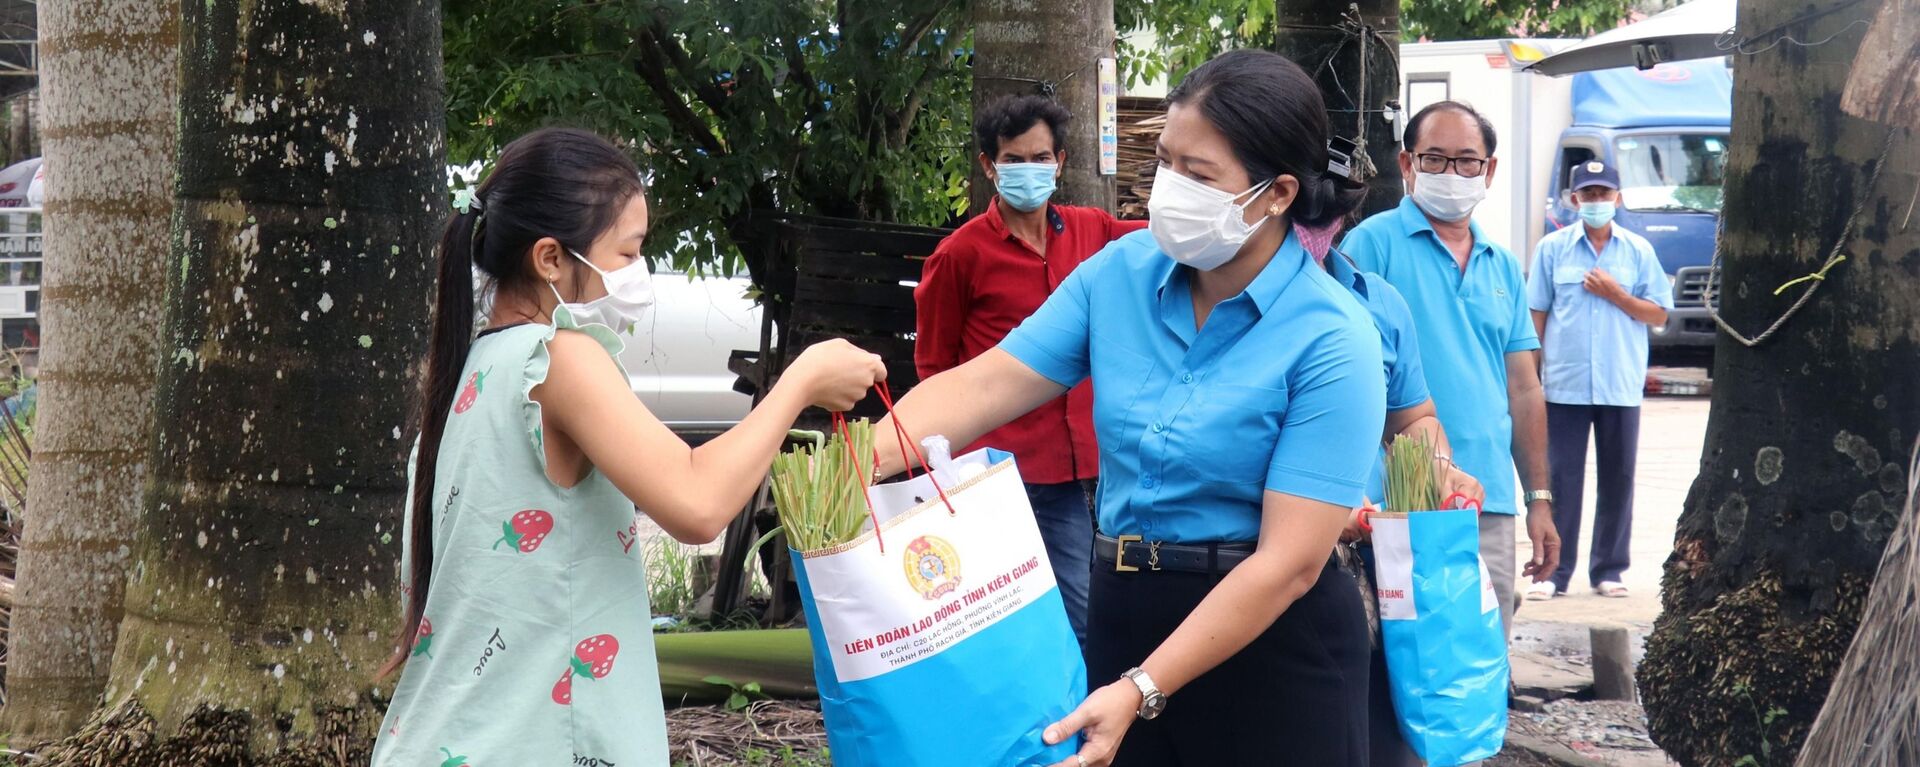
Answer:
[(1672, 171)]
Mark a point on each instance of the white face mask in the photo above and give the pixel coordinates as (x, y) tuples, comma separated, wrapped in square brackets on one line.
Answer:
[(1448, 196), (629, 296), (1196, 224)]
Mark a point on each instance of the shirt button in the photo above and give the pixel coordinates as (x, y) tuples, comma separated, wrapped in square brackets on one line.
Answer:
[(1186, 378), (1157, 428), (1147, 482)]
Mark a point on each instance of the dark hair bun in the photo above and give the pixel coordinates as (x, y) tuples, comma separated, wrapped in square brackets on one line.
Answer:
[(1327, 198)]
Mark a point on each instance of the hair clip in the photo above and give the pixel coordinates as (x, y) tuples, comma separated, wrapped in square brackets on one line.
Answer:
[(1340, 152), (467, 201)]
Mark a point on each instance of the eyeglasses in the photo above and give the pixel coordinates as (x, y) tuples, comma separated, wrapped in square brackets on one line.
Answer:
[(1471, 167)]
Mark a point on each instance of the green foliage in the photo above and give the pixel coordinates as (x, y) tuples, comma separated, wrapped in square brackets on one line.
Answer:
[(855, 108), (1192, 31), (670, 576), (741, 695)]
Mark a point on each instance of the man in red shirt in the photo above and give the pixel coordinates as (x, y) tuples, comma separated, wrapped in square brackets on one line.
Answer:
[(986, 278)]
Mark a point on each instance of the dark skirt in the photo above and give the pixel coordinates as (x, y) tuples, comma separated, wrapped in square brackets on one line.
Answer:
[(1297, 695)]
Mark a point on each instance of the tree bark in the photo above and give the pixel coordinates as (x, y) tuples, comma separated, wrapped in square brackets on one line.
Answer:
[(1872, 715), (1050, 48), (1354, 56), (1802, 482), (110, 76), (311, 187)]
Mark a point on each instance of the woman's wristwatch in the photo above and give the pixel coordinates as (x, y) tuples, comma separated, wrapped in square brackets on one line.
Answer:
[(1152, 702)]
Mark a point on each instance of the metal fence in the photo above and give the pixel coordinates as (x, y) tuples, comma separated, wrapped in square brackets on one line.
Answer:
[(20, 270)]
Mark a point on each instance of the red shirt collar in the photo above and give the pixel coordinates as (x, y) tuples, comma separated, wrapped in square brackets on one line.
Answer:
[(998, 223)]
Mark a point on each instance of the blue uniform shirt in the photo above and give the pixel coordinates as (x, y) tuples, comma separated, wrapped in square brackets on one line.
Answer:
[(1282, 389), (1399, 348), (1595, 353), (1467, 324)]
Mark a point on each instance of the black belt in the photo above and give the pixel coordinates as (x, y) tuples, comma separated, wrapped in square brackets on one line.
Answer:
[(1128, 553)]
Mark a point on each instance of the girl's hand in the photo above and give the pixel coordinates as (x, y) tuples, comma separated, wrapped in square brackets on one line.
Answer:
[(836, 374), (1104, 717)]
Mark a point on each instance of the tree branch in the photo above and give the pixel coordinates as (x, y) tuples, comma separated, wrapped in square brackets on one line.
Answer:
[(916, 95), (797, 69), (919, 28), (709, 92), (651, 66)]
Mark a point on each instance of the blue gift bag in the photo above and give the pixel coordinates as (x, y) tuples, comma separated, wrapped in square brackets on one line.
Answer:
[(1440, 628), (940, 639)]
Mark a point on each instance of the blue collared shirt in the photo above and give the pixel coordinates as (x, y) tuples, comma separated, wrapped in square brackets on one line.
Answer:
[(1467, 324), (1282, 389), (1399, 349), (1596, 354)]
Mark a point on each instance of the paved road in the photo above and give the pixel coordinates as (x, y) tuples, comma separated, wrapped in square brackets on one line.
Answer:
[(1672, 432)]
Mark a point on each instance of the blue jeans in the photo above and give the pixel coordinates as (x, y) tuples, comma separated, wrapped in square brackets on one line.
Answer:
[(1064, 513)]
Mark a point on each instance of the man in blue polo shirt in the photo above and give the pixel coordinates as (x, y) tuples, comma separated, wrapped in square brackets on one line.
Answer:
[(1594, 290), (1476, 337)]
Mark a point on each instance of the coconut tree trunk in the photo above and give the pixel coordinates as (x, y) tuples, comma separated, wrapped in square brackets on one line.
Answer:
[(311, 186), (1051, 48), (1802, 480), (1872, 715), (109, 203), (1352, 50)]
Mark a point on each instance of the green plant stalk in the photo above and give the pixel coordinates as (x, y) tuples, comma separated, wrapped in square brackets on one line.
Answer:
[(1411, 484), (820, 492)]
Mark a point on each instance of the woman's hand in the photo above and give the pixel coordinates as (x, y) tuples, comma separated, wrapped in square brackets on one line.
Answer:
[(1104, 717), (1457, 481), (836, 374), (1357, 529)]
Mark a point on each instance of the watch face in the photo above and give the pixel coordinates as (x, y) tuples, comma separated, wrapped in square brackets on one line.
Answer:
[(1151, 707)]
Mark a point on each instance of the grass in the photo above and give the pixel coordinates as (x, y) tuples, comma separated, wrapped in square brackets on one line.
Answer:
[(675, 583), (670, 576)]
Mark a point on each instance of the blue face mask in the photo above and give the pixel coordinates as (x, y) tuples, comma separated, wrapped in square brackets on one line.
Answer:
[(1596, 214), (1025, 185)]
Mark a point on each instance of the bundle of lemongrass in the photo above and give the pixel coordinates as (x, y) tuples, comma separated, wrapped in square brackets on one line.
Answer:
[(1412, 484), (820, 489)]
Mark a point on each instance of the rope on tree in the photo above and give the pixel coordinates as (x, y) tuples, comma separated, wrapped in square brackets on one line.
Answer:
[(1813, 280)]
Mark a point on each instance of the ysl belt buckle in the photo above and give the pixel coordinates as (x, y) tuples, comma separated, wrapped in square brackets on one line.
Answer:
[(1120, 554)]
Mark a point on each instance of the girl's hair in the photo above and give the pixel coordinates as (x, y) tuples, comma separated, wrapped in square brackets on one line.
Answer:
[(1273, 116), (566, 184)]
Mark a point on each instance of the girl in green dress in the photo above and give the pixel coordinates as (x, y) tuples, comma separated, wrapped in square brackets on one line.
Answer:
[(527, 637)]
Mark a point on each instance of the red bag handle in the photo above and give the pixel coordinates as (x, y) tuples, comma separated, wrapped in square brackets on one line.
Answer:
[(905, 443)]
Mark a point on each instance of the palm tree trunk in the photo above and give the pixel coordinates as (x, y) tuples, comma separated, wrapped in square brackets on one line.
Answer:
[(311, 185), (1354, 56), (1802, 480), (1022, 47), (109, 201)]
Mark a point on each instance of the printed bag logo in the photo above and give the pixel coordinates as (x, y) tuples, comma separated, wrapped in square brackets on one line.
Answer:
[(933, 567)]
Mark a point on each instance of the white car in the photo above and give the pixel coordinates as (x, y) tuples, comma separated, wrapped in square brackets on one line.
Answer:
[(676, 359)]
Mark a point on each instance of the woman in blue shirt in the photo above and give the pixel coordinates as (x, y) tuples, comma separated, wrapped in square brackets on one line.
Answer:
[(1239, 400)]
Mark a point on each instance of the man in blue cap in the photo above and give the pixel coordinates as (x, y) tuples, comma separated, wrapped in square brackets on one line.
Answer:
[(1594, 289)]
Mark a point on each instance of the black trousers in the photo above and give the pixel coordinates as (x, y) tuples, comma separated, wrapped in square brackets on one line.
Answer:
[(1296, 696), (1616, 441)]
